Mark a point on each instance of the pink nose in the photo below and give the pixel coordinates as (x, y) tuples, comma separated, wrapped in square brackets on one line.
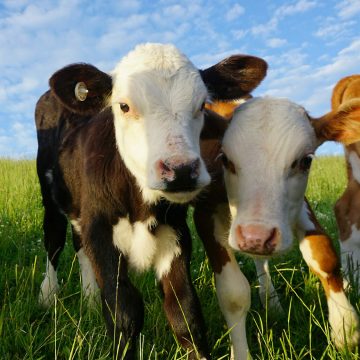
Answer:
[(257, 239)]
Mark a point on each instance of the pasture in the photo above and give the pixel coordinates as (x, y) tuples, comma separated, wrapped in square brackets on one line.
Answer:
[(70, 330)]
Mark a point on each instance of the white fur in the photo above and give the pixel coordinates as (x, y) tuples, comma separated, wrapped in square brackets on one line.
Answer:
[(49, 286), (268, 295), (167, 249), (305, 223), (88, 279), (343, 320), (144, 249), (49, 176), (305, 248), (76, 225), (264, 138), (164, 92), (355, 165), (233, 292)]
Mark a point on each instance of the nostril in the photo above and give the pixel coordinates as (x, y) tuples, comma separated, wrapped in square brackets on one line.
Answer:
[(164, 171), (271, 241), (163, 167), (195, 169)]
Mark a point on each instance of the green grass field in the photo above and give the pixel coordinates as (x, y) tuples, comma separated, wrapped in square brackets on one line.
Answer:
[(70, 330)]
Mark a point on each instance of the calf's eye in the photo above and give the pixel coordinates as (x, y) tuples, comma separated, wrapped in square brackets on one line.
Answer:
[(124, 107), (305, 162)]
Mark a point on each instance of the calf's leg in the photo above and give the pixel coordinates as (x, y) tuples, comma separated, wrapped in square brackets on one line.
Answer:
[(347, 210), (122, 304), (268, 295), (181, 304), (232, 287), (320, 255), (88, 279), (54, 226)]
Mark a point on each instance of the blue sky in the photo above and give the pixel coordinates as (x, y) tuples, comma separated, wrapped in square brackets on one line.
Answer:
[(309, 45)]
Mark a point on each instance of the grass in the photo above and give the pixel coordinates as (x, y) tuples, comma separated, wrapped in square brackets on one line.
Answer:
[(70, 330)]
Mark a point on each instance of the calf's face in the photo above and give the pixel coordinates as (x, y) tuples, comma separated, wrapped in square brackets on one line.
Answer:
[(267, 153), (157, 98)]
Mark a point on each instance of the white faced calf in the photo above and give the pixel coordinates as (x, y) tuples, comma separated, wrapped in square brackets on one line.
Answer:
[(267, 152), (118, 155)]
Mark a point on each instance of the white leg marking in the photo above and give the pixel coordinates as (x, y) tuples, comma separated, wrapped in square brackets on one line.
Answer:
[(343, 320), (76, 225), (268, 295), (168, 248), (306, 251), (49, 176), (350, 254), (233, 292), (88, 280), (49, 286)]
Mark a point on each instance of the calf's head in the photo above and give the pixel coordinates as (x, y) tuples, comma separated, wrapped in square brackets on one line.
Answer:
[(267, 152), (157, 98)]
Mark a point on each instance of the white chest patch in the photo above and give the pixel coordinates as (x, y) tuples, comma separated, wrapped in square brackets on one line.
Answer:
[(355, 165), (144, 249)]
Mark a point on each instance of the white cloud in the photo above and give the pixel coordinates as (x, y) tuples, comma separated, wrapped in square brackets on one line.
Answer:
[(19, 142), (276, 42), (233, 13), (239, 34), (334, 29), (38, 37), (265, 29), (291, 75), (295, 8), (348, 8), (282, 12)]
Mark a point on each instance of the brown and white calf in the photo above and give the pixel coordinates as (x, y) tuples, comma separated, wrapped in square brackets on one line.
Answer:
[(266, 154), (119, 156), (347, 208)]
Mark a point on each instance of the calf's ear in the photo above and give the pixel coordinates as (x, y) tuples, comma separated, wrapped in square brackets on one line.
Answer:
[(342, 125), (234, 77), (82, 88)]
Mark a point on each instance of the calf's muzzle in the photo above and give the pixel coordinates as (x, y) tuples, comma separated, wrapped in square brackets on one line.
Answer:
[(177, 174), (257, 239)]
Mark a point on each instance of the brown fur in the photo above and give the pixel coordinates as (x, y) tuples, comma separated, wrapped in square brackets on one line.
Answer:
[(223, 78), (226, 108), (324, 254), (341, 124), (346, 94)]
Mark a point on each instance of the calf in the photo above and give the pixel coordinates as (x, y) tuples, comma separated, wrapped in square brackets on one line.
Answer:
[(347, 208), (119, 155), (266, 154)]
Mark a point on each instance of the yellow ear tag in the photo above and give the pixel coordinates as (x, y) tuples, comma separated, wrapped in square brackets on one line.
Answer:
[(81, 91)]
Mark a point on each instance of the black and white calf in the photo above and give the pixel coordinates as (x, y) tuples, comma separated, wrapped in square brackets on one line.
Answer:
[(119, 155)]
